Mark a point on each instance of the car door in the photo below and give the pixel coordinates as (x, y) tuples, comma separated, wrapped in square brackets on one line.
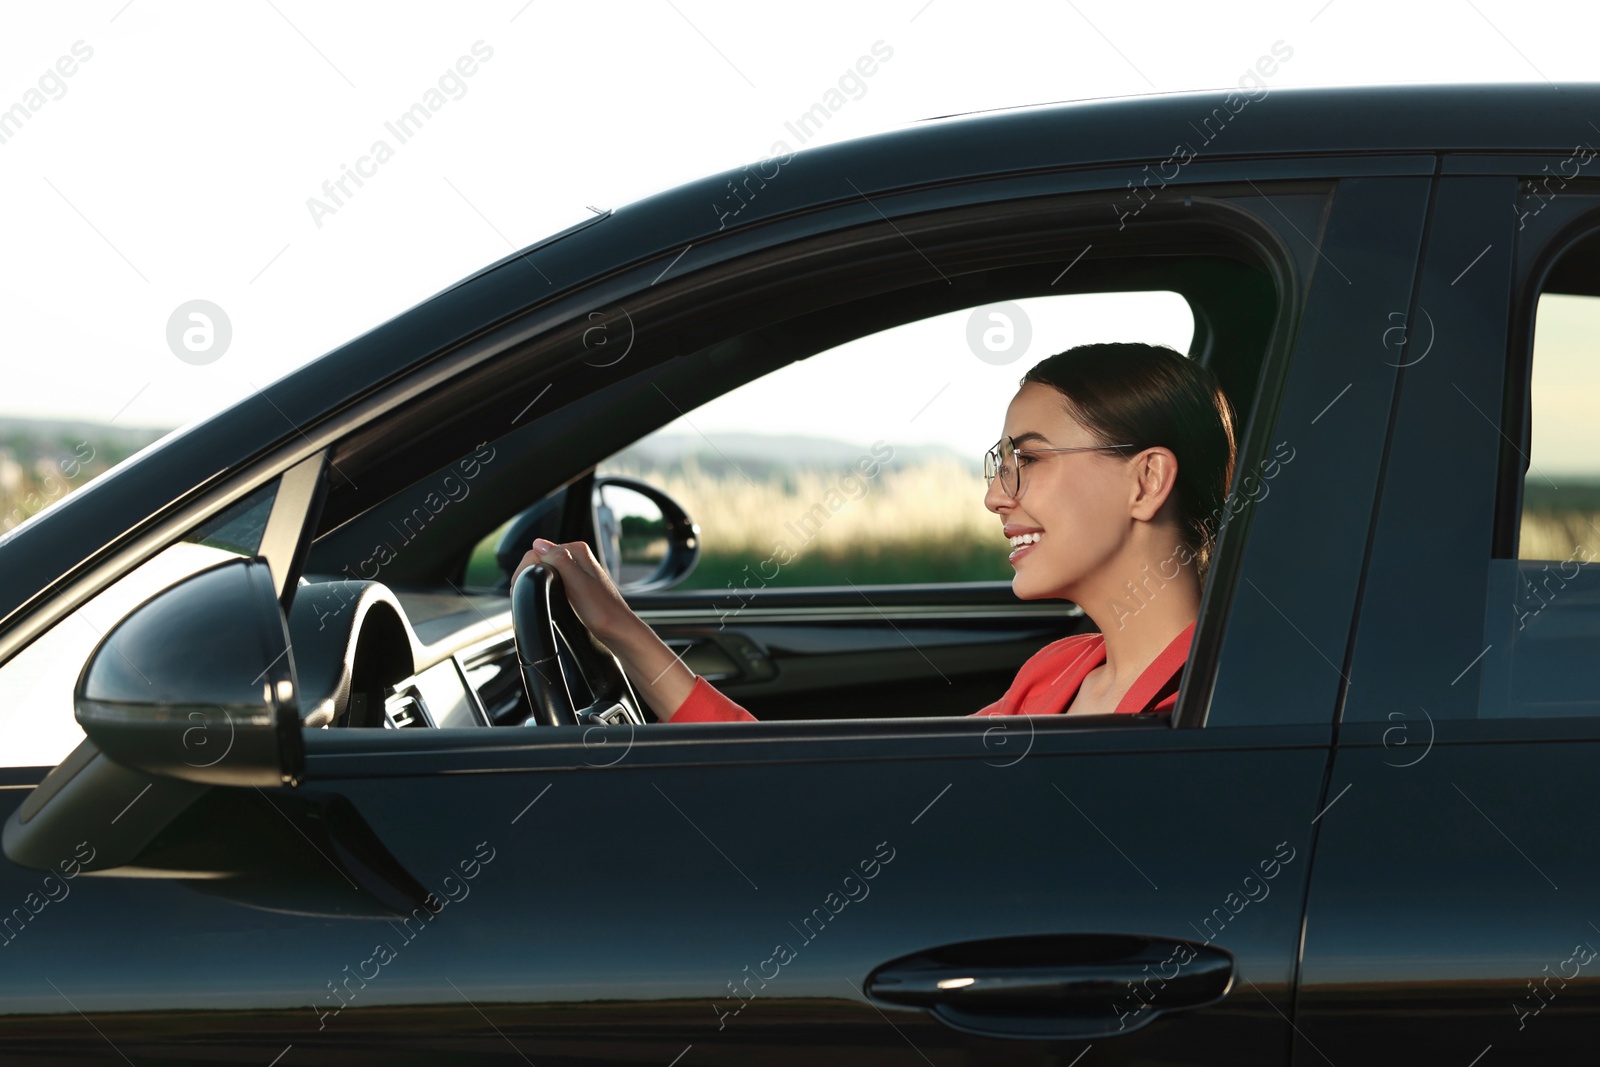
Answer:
[(1452, 915), (775, 892)]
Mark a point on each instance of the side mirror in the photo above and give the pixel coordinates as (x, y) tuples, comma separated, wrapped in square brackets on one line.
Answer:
[(647, 541), (197, 684), (194, 692)]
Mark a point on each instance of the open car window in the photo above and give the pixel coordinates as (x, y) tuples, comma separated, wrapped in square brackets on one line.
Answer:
[(863, 463), (784, 397)]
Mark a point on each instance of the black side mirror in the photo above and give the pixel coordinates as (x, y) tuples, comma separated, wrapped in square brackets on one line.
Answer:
[(197, 684), (188, 701), (646, 540)]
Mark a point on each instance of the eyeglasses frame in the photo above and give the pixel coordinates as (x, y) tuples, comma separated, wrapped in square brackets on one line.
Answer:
[(994, 452)]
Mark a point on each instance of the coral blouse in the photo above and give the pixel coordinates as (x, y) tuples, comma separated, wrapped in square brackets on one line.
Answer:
[(1045, 685)]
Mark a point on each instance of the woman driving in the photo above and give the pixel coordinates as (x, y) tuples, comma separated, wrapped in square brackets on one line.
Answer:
[(1108, 482)]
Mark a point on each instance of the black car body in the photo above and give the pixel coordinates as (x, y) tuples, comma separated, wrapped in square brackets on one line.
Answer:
[(1353, 842)]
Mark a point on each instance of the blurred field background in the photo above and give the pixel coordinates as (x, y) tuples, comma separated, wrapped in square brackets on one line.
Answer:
[(1560, 522), (42, 460), (919, 523), (920, 519), (927, 523)]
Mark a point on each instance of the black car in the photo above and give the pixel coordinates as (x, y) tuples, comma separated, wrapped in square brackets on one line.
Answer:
[(277, 792)]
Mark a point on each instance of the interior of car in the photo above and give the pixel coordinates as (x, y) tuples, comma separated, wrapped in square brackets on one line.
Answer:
[(511, 451)]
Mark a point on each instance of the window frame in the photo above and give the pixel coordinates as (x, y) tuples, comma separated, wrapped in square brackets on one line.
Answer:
[(1575, 221), (1252, 220)]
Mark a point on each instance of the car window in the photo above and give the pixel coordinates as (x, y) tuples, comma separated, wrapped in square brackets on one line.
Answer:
[(829, 380), (1542, 618), (863, 463), (36, 685)]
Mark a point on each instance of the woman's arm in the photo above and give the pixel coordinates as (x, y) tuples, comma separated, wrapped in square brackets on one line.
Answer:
[(661, 679)]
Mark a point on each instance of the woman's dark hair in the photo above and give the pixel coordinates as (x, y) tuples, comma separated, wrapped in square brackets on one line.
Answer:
[(1150, 395)]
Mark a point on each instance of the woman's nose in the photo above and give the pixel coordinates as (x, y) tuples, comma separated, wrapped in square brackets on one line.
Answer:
[(995, 498)]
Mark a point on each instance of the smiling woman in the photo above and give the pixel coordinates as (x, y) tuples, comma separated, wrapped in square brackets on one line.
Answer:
[(1140, 444)]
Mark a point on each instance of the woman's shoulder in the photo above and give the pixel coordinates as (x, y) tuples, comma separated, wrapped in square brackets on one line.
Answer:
[(1044, 671)]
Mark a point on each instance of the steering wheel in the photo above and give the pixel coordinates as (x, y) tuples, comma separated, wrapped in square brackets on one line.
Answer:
[(552, 645)]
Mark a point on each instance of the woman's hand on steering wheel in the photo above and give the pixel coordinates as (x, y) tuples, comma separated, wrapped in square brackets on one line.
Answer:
[(590, 590), (658, 674)]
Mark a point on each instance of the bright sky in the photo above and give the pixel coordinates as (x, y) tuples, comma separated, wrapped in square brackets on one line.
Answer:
[(1566, 380), (923, 382), (175, 161)]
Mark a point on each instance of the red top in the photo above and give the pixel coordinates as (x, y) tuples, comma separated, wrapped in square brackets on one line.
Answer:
[(1045, 685)]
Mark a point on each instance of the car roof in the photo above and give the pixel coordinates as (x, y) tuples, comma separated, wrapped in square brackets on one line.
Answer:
[(1514, 117), (1410, 116)]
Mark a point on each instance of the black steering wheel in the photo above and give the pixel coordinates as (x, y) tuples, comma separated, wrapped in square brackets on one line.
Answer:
[(553, 645)]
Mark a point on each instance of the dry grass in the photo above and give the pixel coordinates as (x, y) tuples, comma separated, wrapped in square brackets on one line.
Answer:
[(1560, 535), (842, 514), (922, 523)]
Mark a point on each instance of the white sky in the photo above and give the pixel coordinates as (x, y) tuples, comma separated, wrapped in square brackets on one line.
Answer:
[(178, 162), (921, 382), (1566, 380)]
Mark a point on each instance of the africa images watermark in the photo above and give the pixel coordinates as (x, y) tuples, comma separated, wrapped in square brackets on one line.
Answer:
[(455, 890), (855, 890), (52, 487), (804, 127), (999, 334), (1529, 601), (403, 128), (449, 490), (1582, 155), (1579, 960), (851, 487), (199, 332), (52, 85), (1251, 87), (52, 890), (1254, 890), (1213, 525)]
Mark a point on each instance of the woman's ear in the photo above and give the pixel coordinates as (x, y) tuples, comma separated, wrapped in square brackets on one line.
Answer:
[(1155, 474)]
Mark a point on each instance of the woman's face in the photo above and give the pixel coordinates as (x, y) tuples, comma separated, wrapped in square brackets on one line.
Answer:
[(1076, 502)]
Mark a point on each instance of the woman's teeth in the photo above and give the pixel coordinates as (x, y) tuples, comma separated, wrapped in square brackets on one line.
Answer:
[(1024, 539)]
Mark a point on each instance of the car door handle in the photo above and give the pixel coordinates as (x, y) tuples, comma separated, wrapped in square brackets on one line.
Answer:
[(1055, 987)]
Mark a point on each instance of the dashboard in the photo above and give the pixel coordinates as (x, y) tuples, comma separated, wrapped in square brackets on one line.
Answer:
[(479, 686), (370, 656), (367, 655)]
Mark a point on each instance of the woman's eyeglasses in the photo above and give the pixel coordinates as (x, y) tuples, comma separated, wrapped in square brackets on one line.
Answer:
[(1001, 462)]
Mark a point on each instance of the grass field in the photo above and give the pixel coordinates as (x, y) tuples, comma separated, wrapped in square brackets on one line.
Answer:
[(1560, 535), (925, 523)]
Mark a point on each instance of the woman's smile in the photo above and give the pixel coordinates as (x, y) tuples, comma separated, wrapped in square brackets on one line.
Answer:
[(1022, 541)]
